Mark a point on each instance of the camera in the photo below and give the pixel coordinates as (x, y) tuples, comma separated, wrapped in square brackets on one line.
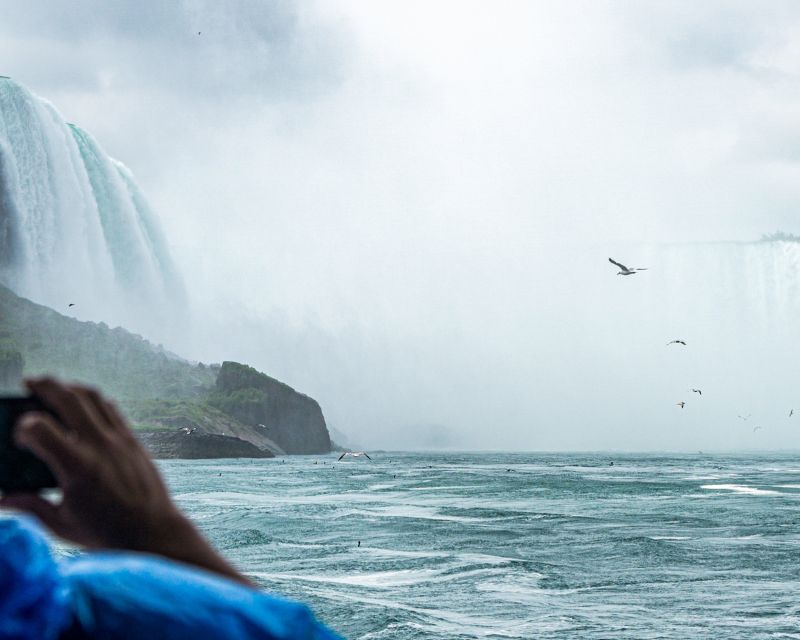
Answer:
[(20, 470)]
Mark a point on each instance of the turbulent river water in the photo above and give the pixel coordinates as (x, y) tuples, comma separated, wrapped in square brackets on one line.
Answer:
[(515, 545)]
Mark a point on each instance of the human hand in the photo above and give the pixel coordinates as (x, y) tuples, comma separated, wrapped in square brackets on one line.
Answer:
[(113, 495)]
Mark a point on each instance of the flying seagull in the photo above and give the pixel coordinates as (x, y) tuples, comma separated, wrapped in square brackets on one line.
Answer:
[(745, 417), (624, 271), (355, 454), (791, 413), (756, 429), (697, 391), (677, 342), (71, 304), (681, 404)]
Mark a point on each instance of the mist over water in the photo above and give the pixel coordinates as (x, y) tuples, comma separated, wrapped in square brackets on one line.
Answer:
[(548, 353)]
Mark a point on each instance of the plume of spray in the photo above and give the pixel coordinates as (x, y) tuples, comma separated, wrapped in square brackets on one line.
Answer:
[(74, 226)]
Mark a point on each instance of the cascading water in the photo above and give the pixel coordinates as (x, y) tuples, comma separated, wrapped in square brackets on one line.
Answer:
[(74, 227)]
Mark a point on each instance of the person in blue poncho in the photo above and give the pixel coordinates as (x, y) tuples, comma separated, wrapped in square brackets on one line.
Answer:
[(148, 572)]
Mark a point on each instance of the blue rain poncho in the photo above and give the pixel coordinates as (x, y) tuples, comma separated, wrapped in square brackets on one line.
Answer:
[(132, 596)]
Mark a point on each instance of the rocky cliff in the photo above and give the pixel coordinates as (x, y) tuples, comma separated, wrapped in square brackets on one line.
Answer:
[(292, 420)]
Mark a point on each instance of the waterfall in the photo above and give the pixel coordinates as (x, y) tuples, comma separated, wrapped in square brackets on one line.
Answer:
[(745, 288), (74, 226)]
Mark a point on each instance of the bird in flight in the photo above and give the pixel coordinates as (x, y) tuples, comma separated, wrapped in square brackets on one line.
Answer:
[(696, 391), (355, 454), (71, 304), (681, 404), (745, 417), (791, 413), (756, 429), (624, 271), (676, 342)]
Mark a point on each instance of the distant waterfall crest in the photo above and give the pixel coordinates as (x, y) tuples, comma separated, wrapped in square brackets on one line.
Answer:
[(74, 226), (748, 286)]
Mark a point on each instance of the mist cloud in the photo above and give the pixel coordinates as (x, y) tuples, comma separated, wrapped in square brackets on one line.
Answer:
[(403, 208), (198, 49)]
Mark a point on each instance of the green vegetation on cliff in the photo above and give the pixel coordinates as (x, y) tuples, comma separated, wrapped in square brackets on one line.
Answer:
[(120, 363), (241, 391)]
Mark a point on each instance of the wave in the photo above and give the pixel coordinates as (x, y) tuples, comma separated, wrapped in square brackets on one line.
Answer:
[(738, 488)]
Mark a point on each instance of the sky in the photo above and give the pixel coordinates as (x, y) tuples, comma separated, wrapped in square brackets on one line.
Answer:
[(404, 209)]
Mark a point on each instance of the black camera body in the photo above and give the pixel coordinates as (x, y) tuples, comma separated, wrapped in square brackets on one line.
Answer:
[(20, 470)]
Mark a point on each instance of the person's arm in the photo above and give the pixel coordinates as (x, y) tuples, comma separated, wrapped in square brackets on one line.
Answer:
[(113, 495)]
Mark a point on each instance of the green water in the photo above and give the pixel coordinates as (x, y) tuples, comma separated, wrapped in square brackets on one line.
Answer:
[(515, 546)]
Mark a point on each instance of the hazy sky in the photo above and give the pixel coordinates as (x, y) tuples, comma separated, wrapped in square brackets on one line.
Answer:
[(404, 208)]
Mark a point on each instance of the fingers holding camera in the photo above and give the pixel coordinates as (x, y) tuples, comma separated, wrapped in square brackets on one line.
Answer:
[(74, 409), (113, 496), (46, 439), (110, 419)]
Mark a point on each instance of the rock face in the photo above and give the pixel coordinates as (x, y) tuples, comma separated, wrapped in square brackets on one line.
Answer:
[(193, 446), (292, 420)]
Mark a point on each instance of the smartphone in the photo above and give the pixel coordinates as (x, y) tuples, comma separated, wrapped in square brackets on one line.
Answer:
[(20, 470)]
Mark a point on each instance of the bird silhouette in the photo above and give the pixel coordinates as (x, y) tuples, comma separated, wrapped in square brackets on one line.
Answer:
[(676, 342), (697, 391), (355, 454), (681, 404), (624, 271)]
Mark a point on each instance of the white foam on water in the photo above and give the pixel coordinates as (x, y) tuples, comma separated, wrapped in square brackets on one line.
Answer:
[(452, 487), (738, 488), (523, 592), (482, 558), (397, 553), (381, 579), (669, 537), (449, 624), (416, 511), (465, 558)]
